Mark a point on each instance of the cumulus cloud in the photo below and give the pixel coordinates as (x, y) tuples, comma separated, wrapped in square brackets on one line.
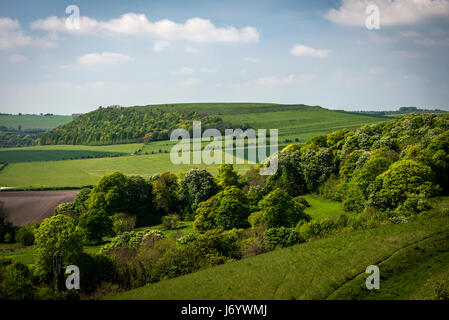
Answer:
[(194, 29), (300, 50), (251, 59), (392, 12), (17, 58), (12, 35)]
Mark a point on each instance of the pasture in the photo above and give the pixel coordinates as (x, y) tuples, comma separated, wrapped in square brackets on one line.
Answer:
[(33, 121), (313, 270)]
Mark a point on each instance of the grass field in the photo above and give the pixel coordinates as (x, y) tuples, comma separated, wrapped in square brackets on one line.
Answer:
[(65, 152), (33, 121), (322, 208), (76, 173), (314, 270)]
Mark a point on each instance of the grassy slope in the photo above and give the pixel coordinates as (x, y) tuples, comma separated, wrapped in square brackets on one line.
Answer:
[(312, 270), (33, 121)]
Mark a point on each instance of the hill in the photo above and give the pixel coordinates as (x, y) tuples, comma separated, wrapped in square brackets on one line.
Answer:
[(114, 125), (320, 269), (27, 122)]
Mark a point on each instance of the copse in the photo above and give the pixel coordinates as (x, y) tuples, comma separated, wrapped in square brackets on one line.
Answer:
[(226, 176)]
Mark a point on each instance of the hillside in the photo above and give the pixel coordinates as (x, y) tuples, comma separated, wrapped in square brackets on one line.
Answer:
[(318, 269), (114, 125)]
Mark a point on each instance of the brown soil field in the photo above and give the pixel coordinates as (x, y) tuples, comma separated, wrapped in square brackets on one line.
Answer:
[(23, 208)]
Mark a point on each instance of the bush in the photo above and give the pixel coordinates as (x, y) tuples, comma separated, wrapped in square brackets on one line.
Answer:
[(317, 228), (123, 223), (25, 236), (171, 222), (282, 237), (9, 237), (16, 282), (131, 239), (179, 261)]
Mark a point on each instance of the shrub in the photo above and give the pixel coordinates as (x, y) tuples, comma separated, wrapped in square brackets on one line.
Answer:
[(317, 228), (123, 223), (178, 261), (171, 222), (131, 239), (16, 282), (282, 237), (25, 236), (9, 237), (251, 247)]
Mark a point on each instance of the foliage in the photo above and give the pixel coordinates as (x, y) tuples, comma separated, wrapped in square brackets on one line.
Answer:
[(131, 239), (282, 237), (278, 209), (96, 224), (25, 235), (16, 282), (226, 210), (171, 222), (121, 222), (166, 193), (115, 125), (226, 176), (58, 239), (197, 186)]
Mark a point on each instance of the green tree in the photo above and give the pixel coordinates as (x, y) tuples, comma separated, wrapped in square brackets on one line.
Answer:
[(97, 224), (109, 193), (226, 210), (166, 193), (226, 176), (58, 240), (278, 209), (197, 186)]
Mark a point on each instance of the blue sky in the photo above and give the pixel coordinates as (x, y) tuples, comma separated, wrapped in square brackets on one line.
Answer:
[(147, 52)]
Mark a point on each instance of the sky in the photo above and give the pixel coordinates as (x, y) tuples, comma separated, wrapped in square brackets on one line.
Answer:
[(138, 52)]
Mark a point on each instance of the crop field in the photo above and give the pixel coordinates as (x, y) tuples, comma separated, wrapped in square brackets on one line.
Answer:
[(298, 272), (65, 152), (23, 208), (77, 173), (33, 121)]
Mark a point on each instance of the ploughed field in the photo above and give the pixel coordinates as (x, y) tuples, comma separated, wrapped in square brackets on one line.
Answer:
[(30, 207)]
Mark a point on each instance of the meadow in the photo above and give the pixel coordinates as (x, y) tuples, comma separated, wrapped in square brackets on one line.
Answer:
[(297, 272), (33, 121)]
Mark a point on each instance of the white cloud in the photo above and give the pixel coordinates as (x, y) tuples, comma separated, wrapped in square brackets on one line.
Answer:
[(392, 12), (243, 72), (93, 59), (160, 45), (191, 82), (208, 70), (11, 36), (190, 49), (300, 50), (194, 29), (17, 58)]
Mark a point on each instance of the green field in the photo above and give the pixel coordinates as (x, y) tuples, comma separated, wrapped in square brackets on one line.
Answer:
[(322, 208), (313, 270), (67, 166), (65, 152), (33, 121)]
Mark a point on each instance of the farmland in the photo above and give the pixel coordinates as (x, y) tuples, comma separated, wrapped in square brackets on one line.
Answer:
[(77, 165), (297, 272), (27, 122)]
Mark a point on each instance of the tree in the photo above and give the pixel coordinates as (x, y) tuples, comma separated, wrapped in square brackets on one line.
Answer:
[(97, 224), (197, 186), (16, 282), (226, 210), (318, 166), (226, 176), (402, 178), (278, 209), (109, 194), (165, 193), (58, 240)]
